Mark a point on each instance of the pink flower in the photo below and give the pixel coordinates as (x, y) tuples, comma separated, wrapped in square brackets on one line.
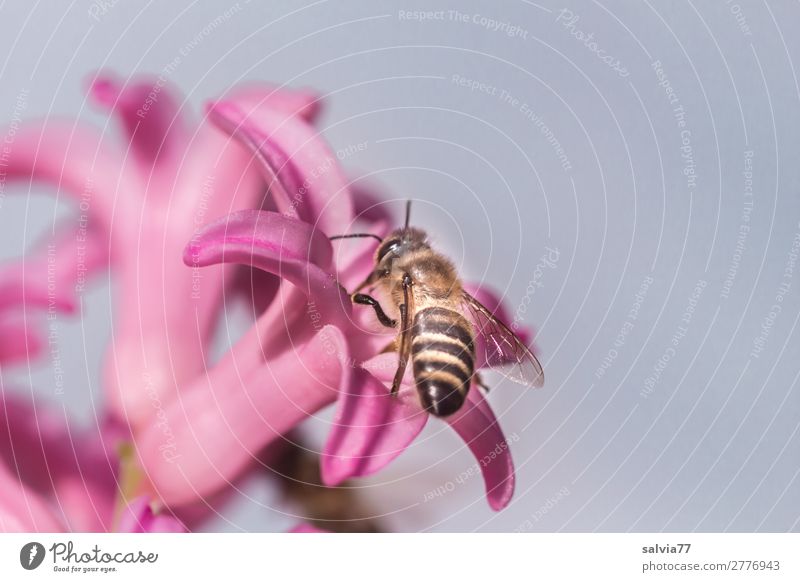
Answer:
[(139, 201), (74, 469), (54, 477), (196, 426), (310, 348)]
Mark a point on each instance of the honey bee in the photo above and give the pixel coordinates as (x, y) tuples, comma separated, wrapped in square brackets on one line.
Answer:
[(438, 322)]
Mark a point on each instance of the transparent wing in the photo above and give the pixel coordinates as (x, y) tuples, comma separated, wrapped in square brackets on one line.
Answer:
[(501, 347)]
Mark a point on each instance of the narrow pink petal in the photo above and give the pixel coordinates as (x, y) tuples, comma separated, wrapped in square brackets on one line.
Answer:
[(19, 342), (370, 428), (149, 111), (323, 198), (75, 160), (253, 98), (26, 287), (476, 424), (256, 236), (217, 426), (139, 517), (283, 179)]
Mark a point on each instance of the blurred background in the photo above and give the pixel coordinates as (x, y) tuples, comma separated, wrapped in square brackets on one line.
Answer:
[(624, 174)]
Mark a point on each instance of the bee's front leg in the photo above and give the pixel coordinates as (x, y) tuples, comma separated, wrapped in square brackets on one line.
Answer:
[(363, 299), (404, 350)]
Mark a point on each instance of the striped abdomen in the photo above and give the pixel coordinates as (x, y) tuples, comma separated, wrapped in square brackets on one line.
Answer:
[(443, 354)]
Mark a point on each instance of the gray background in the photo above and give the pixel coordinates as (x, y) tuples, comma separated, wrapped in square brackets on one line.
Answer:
[(714, 445)]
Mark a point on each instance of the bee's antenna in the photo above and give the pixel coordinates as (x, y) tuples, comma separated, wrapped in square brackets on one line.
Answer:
[(408, 211), (359, 235)]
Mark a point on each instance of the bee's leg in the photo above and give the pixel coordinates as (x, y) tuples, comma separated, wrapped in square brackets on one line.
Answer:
[(404, 349), (363, 299), (479, 382)]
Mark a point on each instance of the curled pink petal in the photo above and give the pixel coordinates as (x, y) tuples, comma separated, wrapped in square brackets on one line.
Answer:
[(476, 424), (255, 97), (323, 197), (257, 237), (139, 517), (278, 244), (370, 428), (149, 113), (283, 179)]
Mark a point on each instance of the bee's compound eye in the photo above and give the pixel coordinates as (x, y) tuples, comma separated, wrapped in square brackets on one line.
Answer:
[(388, 247)]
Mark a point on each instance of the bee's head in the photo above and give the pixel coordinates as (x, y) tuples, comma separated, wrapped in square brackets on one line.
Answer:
[(398, 243)]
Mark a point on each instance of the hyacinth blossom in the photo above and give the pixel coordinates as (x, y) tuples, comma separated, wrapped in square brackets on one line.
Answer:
[(322, 351), (158, 211)]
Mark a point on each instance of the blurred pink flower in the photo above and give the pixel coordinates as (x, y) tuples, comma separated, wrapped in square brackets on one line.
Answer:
[(309, 348), (139, 201), (54, 477), (75, 469)]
